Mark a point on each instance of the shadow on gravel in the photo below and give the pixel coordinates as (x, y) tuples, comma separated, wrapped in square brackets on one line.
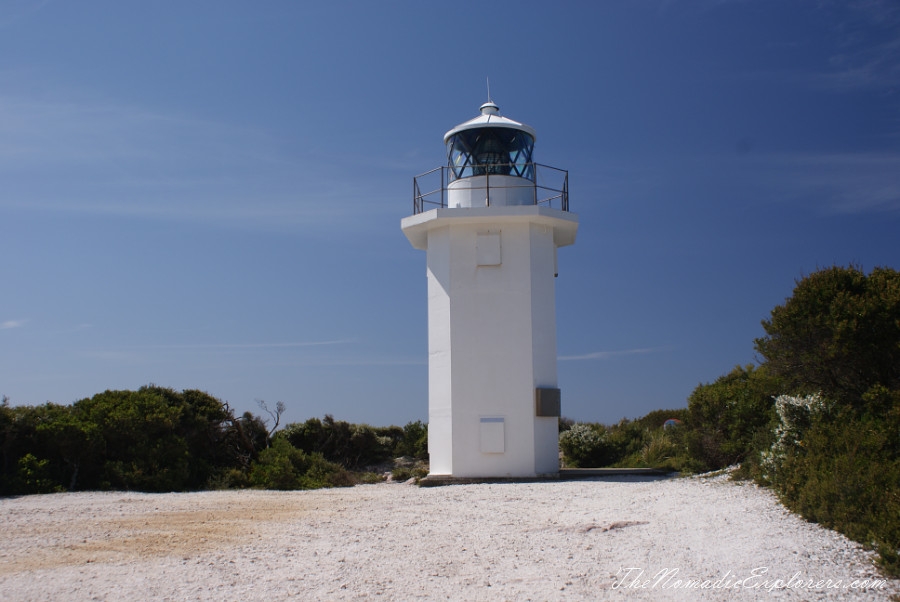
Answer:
[(609, 475), (625, 478)]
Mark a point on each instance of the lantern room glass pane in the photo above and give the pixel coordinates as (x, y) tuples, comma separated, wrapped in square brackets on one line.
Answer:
[(491, 151)]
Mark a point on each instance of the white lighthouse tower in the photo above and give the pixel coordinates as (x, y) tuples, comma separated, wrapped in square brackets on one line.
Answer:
[(491, 222)]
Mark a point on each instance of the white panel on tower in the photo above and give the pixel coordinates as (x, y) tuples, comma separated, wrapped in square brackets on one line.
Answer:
[(487, 249), (493, 439)]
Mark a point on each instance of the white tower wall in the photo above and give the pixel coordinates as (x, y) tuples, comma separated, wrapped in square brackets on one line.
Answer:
[(491, 336)]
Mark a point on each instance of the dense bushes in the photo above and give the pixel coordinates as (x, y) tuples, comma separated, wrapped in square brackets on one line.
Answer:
[(355, 446), (840, 469), (732, 418), (585, 445), (153, 439), (836, 455), (647, 442), (283, 466), (838, 334), (158, 439)]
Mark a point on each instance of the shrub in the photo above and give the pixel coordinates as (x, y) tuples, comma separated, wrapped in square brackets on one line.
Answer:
[(795, 416), (629, 443), (731, 418), (414, 442), (840, 469), (283, 466), (654, 446), (402, 473), (405, 473), (368, 478), (584, 445), (229, 478), (626, 439), (33, 476), (839, 333), (659, 451), (835, 458), (350, 445)]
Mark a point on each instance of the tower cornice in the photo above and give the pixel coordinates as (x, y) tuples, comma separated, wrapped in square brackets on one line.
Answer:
[(564, 223)]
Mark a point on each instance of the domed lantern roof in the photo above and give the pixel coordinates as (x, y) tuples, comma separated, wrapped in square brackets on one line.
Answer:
[(490, 118)]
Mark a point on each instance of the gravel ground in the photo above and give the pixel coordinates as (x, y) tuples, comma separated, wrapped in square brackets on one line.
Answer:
[(603, 538)]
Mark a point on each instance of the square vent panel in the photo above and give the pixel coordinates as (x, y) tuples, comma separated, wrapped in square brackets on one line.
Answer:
[(547, 402), (487, 249)]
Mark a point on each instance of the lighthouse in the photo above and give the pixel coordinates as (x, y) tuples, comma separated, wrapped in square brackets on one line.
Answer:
[(491, 221)]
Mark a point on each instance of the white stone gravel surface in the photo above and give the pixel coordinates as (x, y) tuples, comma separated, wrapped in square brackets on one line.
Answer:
[(612, 538)]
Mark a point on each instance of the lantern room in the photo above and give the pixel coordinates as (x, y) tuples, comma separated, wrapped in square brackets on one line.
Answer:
[(490, 161)]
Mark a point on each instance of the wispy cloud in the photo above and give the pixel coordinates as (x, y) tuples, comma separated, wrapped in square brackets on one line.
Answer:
[(277, 345), (360, 361), (873, 67), (76, 153), (868, 45), (825, 183), (12, 324), (605, 355), (859, 51), (150, 354), (115, 357), (156, 354), (833, 183), (63, 126)]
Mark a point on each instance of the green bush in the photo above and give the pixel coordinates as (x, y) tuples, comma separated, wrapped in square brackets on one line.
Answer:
[(645, 443), (659, 450), (584, 445), (282, 466), (835, 458), (414, 442), (838, 334), (405, 473), (731, 419), (839, 469), (158, 439), (368, 478), (229, 478), (626, 439), (33, 476), (636, 443), (152, 439), (353, 446)]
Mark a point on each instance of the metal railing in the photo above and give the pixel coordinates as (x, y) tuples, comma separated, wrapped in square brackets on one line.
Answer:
[(550, 186)]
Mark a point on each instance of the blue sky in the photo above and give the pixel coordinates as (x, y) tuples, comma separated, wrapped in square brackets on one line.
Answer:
[(208, 194)]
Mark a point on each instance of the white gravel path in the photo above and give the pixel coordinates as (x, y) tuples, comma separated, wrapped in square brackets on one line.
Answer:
[(570, 540)]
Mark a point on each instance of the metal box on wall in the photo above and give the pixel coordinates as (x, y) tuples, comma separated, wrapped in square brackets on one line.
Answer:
[(547, 402)]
